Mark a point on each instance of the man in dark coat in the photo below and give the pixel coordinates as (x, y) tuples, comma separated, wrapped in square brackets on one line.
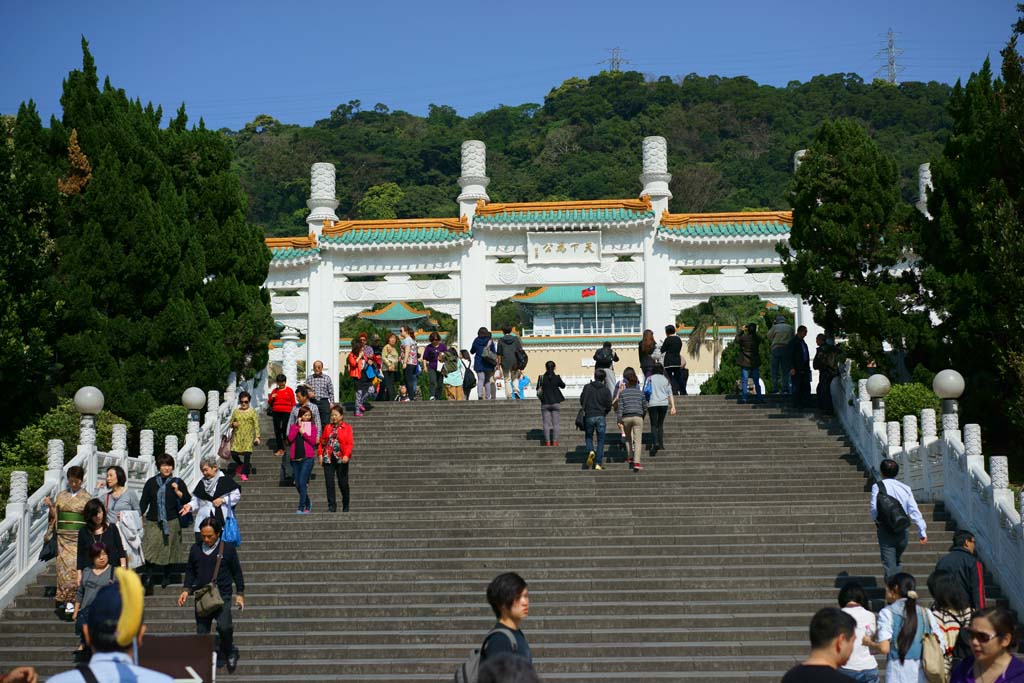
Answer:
[(749, 360), (963, 563), (800, 368)]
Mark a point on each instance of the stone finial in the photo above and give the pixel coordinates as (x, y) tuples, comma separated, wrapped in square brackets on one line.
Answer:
[(972, 439), (655, 178), (909, 429), (924, 185), (54, 454), (19, 487), (119, 438), (928, 422), (950, 422), (862, 390), (322, 201), (146, 443), (87, 430), (892, 430), (999, 470), (798, 158), (171, 444), (290, 355), (474, 180), (212, 401), (878, 410)]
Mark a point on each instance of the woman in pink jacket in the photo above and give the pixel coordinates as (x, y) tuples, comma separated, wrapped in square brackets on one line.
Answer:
[(302, 444)]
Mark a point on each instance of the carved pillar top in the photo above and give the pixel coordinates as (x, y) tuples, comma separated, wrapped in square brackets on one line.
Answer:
[(19, 487), (909, 429), (54, 454), (999, 468), (893, 433), (119, 438), (474, 180), (171, 444), (655, 178), (924, 185), (972, 439), (928, 422), (322, 190), (146, 443), (798, 158)]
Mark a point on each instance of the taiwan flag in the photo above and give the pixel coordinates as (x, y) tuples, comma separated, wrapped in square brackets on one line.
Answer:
[(589, 291)]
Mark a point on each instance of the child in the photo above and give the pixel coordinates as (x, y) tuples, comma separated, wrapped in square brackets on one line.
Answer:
[(862, 665), (403, 394), (246, 433), (302, 436), (93, 580), (334, 453)]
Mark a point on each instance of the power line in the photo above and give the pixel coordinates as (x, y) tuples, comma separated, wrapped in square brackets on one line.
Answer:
[(888, 54), (616, 60)]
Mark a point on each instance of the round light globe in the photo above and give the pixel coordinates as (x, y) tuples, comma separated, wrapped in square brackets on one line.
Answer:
[(193, 398), (878, 386), (89, 401), (948, 384)]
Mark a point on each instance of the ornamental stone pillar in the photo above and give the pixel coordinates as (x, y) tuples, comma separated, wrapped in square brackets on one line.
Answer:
[(321, 328), (474, 311), (798, 158), (322, 202), (924, 186), (290, 353), (657, 302)]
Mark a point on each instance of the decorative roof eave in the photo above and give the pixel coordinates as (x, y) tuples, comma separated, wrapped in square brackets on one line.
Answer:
[(667, 236), (608, 213), (413, 314), (292, 251), (682, 220), (397, 246), (399, 233), (750, 227)]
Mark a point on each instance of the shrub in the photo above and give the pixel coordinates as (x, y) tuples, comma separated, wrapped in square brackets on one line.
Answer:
[(28, 447), (724, 381), (909, 399), (166, 420)]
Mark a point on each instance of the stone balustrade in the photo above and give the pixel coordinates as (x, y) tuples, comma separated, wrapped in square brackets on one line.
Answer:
[(949, 468)]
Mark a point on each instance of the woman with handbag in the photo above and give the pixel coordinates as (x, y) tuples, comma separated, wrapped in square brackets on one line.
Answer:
[(163, 498), (245, 433), (211, 574), (549, 391), (66, 519), (303, 439), (902, 629), (123, 512), (433, 363), (389, 358), (216, 495), (358, 369)]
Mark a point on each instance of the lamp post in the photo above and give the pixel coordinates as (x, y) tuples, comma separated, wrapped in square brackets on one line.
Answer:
[(948, 385), (194, 400), (878, 388), (88, 403)]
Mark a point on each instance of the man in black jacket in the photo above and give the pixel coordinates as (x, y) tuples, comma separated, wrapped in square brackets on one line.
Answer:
[(200, 570), (800, 368), (963, 563), (596, 401)]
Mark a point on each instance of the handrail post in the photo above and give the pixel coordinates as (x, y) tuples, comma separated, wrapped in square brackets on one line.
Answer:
[(17, 508)]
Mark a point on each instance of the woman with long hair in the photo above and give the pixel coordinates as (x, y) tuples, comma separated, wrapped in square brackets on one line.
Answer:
[(124, 512), (357, 365), (66, 519), (659, 402), (303, 439), (647, 347), (952, 609), (992, 639), (901, 628), (484, 367), (549, 391), (98, 530), (410, 361), (630, 405), (390, 373)]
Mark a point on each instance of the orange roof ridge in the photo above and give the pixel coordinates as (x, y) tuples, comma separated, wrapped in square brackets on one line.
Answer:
[(679, 219), (307, 242), (453, 224), (485, 209)]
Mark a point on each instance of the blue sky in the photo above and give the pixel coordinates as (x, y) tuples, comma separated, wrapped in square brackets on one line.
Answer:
[(230, 60)]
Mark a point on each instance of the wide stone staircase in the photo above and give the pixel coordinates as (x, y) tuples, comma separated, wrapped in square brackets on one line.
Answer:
[(706, 566)]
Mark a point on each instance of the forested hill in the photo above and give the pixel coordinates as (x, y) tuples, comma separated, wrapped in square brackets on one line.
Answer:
[(731, 143)]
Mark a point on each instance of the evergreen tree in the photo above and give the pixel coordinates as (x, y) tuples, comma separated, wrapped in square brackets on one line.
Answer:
[(973, 248), (160, 272), (848, 243)]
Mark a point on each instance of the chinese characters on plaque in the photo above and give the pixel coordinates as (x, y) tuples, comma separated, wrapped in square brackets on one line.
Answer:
[(563, 247)]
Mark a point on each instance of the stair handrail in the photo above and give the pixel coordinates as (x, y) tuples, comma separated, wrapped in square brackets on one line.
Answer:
[(26, 519), (949, 468)]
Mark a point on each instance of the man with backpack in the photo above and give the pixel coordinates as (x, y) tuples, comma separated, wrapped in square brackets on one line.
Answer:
[(893, 508), (509, 598), (512, 360)]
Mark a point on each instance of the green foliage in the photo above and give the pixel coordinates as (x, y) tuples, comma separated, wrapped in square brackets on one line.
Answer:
[(708, 317), (27, 448), (159, 274), (164, 421), (909, 399), (849, 232), (731, 142), (380, 201), (724, 381)]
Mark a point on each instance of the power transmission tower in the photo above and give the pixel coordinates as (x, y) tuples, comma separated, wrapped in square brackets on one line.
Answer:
[(616, 60), (888, 54)]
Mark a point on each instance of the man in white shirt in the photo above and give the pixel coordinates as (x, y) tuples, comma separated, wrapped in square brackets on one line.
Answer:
[(893, 543)]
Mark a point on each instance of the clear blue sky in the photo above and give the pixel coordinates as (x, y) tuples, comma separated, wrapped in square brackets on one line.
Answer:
[(231, 60)]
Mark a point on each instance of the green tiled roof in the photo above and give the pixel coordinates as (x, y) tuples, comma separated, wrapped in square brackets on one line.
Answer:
[(395, 236), (730, 229), (564, 216), (291, 253), (396, 312), (571, 294)]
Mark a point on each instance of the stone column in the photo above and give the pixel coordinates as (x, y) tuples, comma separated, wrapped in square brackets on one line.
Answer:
[(146, 451), (54, 462), (924, 186), (322, 202), (17, 507), (171, 445), (657, 301), (999, 470), (290, 353), (321, 328), (87, 448), (474, 310)]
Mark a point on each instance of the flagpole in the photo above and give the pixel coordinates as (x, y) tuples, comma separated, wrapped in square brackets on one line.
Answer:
[(595, 310)]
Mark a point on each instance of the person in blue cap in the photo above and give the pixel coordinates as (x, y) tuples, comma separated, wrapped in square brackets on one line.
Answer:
[(113, 631)]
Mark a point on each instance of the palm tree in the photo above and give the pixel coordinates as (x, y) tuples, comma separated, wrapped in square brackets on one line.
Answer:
[(706, 331)]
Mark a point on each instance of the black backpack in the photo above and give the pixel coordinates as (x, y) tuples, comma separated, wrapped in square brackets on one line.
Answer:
[(521, 358), (891, 514), (469, 670), (603, 356)]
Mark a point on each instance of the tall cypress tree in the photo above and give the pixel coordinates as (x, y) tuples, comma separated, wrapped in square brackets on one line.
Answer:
[(160, 272)]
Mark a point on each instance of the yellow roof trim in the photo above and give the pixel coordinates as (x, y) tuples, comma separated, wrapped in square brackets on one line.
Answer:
[(684, 219), (341, 227), (307, 242), (485, 209)]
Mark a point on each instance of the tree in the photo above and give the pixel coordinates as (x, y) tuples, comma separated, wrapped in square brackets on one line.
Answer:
[(973, 249), (160, 274), (849, 244), (380, 201)]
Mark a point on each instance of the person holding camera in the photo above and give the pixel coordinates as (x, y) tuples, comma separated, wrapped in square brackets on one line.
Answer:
[(750, 361)]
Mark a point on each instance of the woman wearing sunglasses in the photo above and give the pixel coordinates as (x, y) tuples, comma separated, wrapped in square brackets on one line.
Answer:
[(991, 660)]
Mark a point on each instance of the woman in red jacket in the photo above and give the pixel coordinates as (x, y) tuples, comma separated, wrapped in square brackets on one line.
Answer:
[(334, 454), (281, 401), (303, 439)]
